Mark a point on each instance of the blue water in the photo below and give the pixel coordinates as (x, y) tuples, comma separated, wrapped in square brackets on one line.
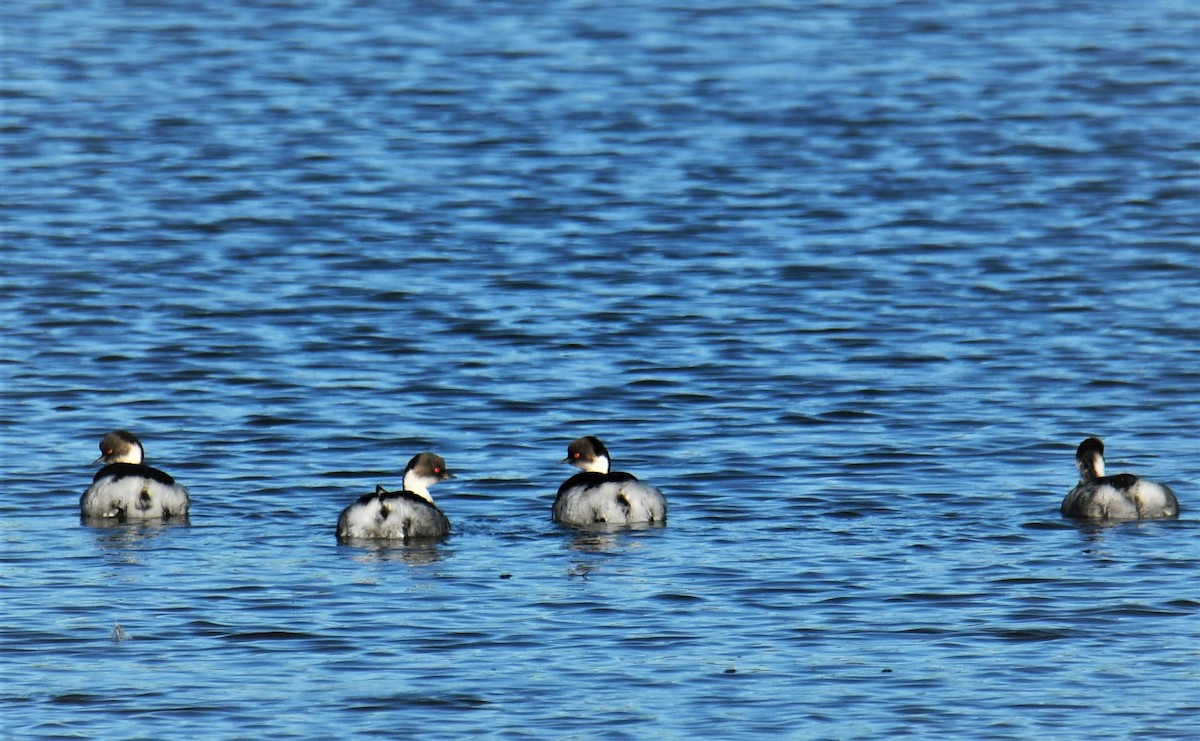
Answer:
[(848, 281)]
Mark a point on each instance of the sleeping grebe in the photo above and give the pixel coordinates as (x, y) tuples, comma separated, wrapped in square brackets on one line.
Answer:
[(126, 489), (400, 515), (601, 495), (1120, 497)]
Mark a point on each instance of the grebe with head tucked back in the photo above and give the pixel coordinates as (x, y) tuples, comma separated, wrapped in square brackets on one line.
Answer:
[(1120, 497), (126, 488), (599, 495), (400, 515)]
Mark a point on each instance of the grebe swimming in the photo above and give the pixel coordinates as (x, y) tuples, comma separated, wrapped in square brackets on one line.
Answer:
[(600, 495), (400, 515), (126, 488), (1120, 497)]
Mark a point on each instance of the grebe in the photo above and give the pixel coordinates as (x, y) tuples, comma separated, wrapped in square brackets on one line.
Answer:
[(400, 515), (1120, 497), (126, 488), (601, 495)]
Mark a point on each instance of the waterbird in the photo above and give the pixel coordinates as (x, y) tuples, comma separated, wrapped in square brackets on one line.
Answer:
[(127, 489), (600, 495), (1120, 497), (400, 515)]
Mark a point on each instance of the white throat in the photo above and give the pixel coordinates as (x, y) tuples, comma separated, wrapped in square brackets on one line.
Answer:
[(135, 454), (599, 464), (419, 485), (1091, 467)]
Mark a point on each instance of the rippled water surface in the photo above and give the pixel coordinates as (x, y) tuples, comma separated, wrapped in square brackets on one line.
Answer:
[(848, 281)]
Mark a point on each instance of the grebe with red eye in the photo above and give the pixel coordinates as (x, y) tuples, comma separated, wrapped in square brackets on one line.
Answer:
[(127, 489), (600, 495), (1120, 497), (400, 515)]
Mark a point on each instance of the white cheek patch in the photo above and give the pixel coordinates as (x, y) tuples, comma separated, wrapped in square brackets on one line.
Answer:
[(601, 464), (419, 485), (134, 454)]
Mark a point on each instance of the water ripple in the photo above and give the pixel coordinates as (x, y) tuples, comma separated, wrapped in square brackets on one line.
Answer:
[(848, 283)]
